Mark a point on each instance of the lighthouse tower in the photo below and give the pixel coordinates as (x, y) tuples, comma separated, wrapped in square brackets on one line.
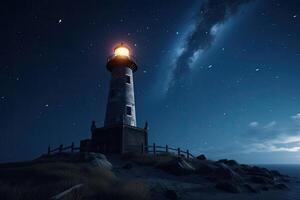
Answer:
[(120, 133), (120, 104)]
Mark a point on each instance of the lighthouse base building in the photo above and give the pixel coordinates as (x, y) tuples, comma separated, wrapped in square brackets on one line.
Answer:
[(118, 139), (119, 133)]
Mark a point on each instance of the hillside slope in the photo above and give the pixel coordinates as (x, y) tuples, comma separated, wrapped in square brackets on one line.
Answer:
[(162, 176)]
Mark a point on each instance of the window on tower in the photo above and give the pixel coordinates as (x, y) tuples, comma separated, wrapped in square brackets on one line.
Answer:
[(128, 80), (128, 110)]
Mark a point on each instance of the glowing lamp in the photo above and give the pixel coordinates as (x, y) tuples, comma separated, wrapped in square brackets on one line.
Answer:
[(122, 57), (121, 51)]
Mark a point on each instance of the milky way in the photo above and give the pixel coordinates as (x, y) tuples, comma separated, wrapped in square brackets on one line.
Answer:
[(210, 16)]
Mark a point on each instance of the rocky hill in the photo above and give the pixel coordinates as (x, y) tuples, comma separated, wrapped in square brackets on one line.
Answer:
[(94, 176)]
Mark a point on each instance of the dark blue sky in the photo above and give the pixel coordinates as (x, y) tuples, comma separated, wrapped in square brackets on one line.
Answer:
[(224, 85)]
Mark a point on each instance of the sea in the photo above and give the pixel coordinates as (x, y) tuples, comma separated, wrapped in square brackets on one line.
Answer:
[(294, 172)]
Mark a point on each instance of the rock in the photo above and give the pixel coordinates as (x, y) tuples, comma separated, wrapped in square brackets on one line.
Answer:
[(257, 171), (127, 166), (228, 162), (177, 166), (250, 188), (205, 168), (232, 162), (171, 194), (228, 186), (97, 155), (225, 172), (275, 173), (265, 188), (261, 180), (99, 160), (222, 161), (281, 186), (286, 180), (201, 157)]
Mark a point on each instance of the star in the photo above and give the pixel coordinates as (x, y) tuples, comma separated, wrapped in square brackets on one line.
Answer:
[(294, 16), (60, 21), (257, 69), (177, 33), (46, 105)]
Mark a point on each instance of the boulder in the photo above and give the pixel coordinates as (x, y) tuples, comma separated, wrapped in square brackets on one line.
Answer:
[(257, 171), (99, 160), (171, 194), (92, 155), (265, 188), (228, 162), (281, 186), (275, 173), (177, 166), (251, 188), (228, 186), (261, 180), (201, 157), (205, 168), (225, 172)]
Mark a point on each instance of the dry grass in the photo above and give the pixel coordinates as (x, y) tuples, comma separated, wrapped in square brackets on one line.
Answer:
[(41, 180), (33, 180)]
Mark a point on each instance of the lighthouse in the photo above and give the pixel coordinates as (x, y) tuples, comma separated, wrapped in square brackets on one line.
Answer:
[(120, 133), (120, 107)]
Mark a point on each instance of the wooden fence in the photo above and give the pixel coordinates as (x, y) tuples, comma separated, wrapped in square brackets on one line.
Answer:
[(165, 149), (154, 149), (61, 149)]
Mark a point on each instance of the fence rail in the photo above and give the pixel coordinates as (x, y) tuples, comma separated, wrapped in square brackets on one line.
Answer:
[(154, 149), (165, 149), (61, 149)]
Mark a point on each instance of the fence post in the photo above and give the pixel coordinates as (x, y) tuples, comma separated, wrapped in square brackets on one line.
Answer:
[(178, 151), (142, 146), (167, 148), (49, 150), (72, 147), (60, 148), (187, 153), (154, 149)]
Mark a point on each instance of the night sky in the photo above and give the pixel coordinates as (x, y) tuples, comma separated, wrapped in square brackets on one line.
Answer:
[(217, 77)]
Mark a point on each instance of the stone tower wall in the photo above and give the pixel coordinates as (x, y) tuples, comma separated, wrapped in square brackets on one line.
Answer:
[(121, 104)]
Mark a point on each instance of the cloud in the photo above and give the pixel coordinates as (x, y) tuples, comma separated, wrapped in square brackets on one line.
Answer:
[(296, 117), (271, 137), (270, 147), (253, 124), (208, 21), (270, 125)]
